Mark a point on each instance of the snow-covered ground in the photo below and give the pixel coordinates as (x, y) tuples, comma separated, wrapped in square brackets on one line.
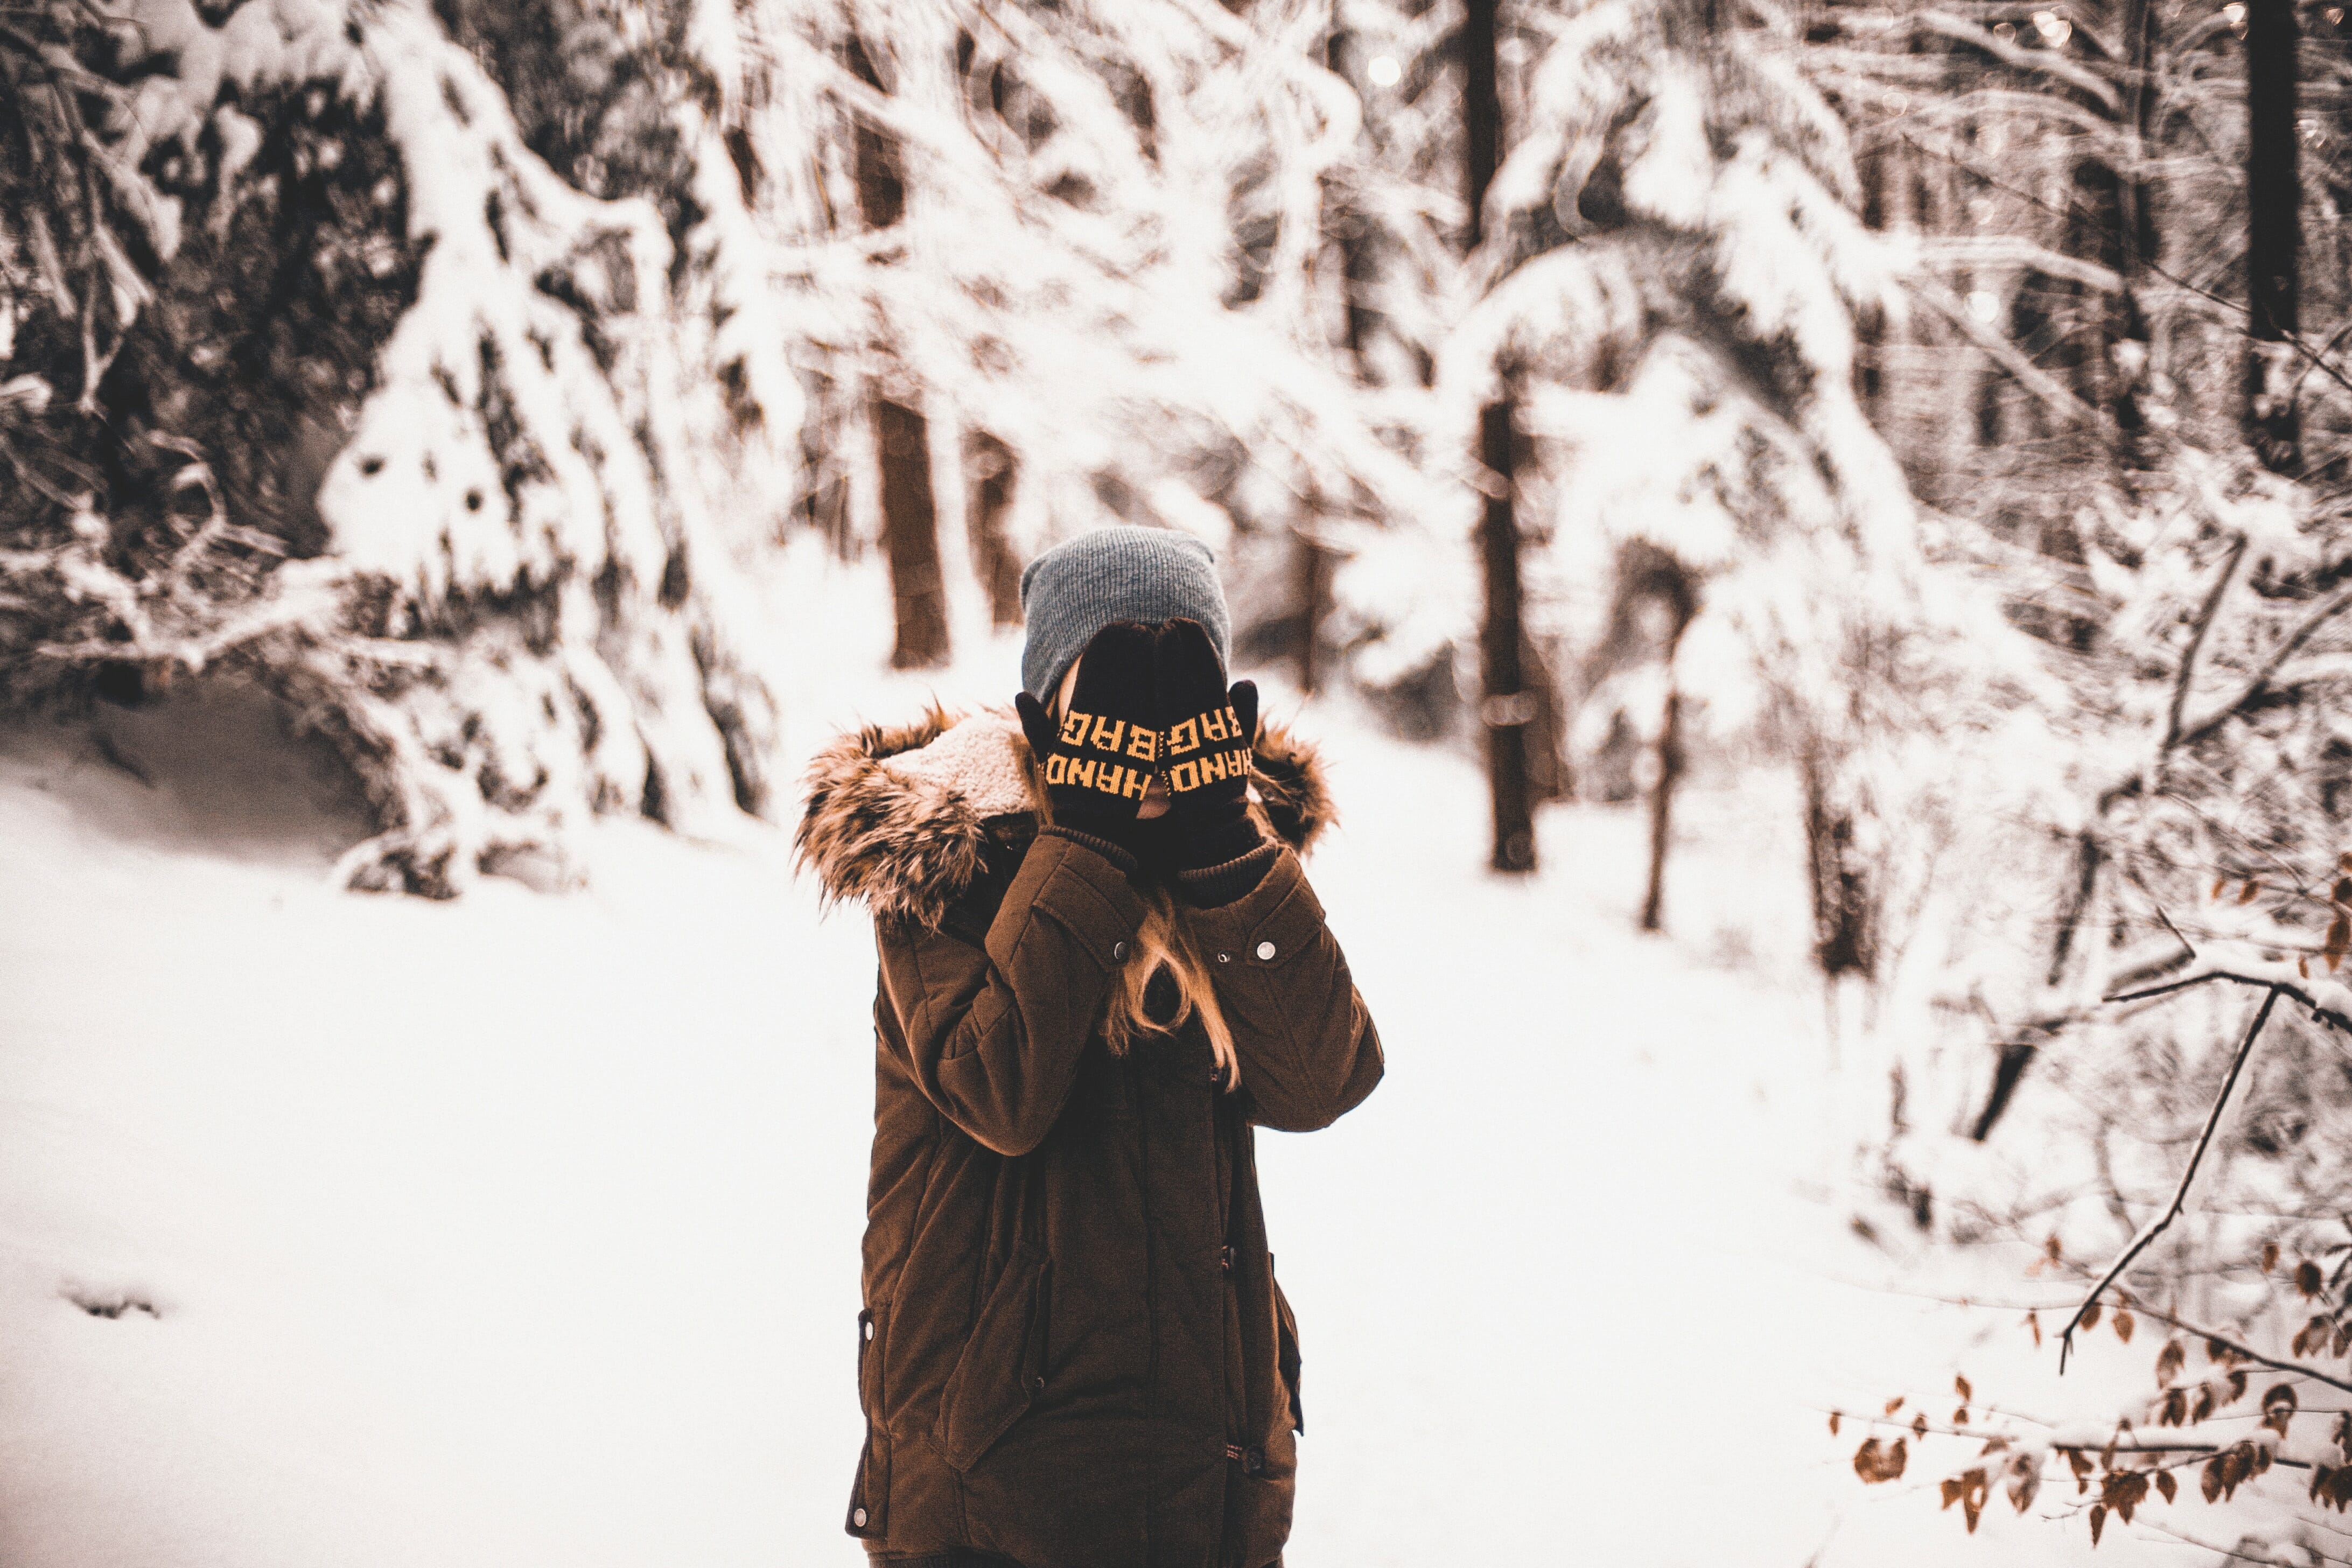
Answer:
[(524, 1230)]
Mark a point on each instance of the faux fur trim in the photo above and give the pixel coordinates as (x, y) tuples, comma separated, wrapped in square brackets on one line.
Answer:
[(898, 814)]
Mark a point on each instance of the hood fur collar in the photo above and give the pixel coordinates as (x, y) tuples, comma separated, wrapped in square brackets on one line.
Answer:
[(899, 815)]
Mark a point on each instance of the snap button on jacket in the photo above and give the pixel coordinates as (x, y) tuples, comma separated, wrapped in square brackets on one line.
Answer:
[(1074, 1351)]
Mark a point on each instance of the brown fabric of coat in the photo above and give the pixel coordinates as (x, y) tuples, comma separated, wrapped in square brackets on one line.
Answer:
[(1073, 1350)]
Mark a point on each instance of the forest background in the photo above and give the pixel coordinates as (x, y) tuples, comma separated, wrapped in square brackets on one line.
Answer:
[(1934, 416)]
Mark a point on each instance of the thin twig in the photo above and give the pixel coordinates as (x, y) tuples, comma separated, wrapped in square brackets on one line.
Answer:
[(2311, 355), (2205, 614), (2327, 610), (2243, 1350), (2156, 1226), (2332, 1016)]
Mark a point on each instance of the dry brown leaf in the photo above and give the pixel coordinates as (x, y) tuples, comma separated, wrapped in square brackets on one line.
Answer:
[(2250, 892), (2307, 1277), (2339, 939), (2125, 1322), (2090, 1317), (2124, 1490), (2170, 1361), (2278, 1407), (2098, 1521), (2270, 1255), (1960, 1386), (2166, 1484), (2077, 1461), (1833, 1423), (1875, 1462), (2033, 1321), (1968, 1488), (1895, 1405)]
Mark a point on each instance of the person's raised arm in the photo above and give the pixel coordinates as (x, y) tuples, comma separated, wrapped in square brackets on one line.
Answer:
[(1308, 1049), (991, 1031), (992, 1022)]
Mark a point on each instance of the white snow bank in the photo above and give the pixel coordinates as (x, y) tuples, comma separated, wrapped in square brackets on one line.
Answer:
[(524, 1229)]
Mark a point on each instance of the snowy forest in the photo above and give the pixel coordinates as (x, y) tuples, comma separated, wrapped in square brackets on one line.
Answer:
[(1816, 537)]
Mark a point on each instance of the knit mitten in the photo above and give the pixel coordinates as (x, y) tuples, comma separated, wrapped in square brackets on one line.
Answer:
[(1207, 733), (1099, 759)]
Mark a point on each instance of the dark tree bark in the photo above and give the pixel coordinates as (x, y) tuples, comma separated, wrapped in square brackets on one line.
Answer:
[(1311, 579), (994, 470), (1505, 706), (1667, 583), (1845, 903), (1482, 110), (1348, 226), (2274, 233), (911, 520), (910, 535), (1662, 797)]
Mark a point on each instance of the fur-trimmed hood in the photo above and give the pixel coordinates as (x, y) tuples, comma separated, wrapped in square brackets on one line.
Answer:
[(899, 817)]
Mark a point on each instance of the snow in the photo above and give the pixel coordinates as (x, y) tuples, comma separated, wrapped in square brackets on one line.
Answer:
[(523, 1228)]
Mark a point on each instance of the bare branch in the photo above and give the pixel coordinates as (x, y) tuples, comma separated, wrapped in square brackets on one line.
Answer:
[(2327, 610), (2156, 1226), (2282, 978), (2204, 624)]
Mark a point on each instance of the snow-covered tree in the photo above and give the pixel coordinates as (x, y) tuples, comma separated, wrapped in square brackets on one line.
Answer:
[(1076, 247), (1670, 287)]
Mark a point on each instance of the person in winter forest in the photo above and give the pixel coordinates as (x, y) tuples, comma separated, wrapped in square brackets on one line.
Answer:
[(1101, 969)]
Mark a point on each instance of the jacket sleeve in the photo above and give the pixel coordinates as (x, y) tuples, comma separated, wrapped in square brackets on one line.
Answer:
[(992, 1034), (1307, 1048)]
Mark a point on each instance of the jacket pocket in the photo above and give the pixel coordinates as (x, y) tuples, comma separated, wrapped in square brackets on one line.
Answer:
[(870, 1493), (1286, 1357), (1001, 1372)]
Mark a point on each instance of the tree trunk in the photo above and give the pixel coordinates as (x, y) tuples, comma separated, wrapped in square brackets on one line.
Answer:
[(1505, 706), (1670, 584), (910, 535), (1310, 567), (994, 470), (1661, 796), (1846, 904), (2273, 235), (1482, 110), (910, 522)]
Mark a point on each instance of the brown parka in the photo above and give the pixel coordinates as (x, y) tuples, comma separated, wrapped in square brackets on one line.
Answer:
[(1073, 1351)]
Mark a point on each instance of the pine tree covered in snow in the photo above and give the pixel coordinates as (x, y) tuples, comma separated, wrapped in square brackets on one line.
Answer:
[(1670, 288), (1077, 248), (321, 373), (2071, 399)]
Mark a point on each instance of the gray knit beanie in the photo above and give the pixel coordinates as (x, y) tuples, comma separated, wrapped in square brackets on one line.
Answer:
[(1120, 574)]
